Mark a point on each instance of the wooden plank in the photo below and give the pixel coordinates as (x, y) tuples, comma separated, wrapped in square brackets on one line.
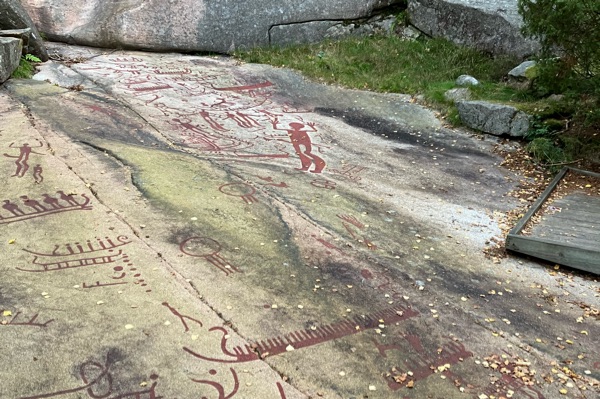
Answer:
[(540, 201), (577, 217), (589, 208), (576, 242), (591, 234), (578, 258), (569, 224)]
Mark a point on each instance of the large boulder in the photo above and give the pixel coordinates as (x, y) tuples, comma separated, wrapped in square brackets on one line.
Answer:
[(491, 26), (497, 119), (14, 16), (10, 55), (192, 25)]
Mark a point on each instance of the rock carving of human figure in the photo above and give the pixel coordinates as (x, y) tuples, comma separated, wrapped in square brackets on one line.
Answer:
[(12, 208), (37, 174), (53, 202), (67, 198), (36, 206), (303, 144), (24, 151)]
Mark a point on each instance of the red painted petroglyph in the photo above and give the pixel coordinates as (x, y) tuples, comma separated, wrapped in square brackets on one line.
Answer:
[(74, 255), (281, 391), (207, 248), (30, 323), (219, 387), (49, 206), (97, 252), (204, 139), (327, 244), (98, 382), (298, 134), (179, 72), (132, 59), (98, 284), (90, 246), (22, 159), (242, 190), (352, 220), (217, 113), (423, 363), (305, 338), (271, 182), (323, 183), (349, 171), (100, 109), (37, 174), (182, 317), (70, 264)]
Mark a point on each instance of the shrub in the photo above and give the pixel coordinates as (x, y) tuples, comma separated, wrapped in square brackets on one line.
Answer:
[(569, 29)]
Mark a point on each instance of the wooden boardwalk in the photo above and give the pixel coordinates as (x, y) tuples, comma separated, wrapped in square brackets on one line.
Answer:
[(565, 230)]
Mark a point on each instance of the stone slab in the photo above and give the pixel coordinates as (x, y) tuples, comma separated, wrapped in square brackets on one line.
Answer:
[(10, 56), (497, 119), (197, 227)]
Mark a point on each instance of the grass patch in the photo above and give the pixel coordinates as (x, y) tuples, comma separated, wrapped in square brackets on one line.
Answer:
[(25, 70), (386, 64)]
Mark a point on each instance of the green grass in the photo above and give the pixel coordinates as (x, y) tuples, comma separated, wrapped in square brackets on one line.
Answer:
[(25, 70), (386, 64)]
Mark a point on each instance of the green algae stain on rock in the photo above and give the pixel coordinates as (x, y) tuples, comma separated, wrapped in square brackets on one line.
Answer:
[(186, 189)]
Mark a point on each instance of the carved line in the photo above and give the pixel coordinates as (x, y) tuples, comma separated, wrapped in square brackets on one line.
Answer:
[(305, 338), (71, 264), (31, 322)]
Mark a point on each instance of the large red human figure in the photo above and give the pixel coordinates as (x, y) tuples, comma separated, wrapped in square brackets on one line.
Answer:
[(24, 151), (302, 144)]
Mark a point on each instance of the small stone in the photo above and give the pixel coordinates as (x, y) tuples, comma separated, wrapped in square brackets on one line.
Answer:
[(466, 80)]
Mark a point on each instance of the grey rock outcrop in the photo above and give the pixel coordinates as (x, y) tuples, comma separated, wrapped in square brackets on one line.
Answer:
[(497, 119), (315, 31), (10, 55), (491, 26), (194, 25), (13, 16)]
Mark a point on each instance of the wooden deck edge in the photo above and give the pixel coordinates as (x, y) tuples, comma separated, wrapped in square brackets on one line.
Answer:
[(575, 257), (538, 203)]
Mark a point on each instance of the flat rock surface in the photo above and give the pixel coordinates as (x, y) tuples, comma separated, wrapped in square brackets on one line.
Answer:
[(193, 227)]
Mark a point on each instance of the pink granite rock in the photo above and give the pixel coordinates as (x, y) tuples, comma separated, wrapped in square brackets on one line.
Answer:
[(185, 25)]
